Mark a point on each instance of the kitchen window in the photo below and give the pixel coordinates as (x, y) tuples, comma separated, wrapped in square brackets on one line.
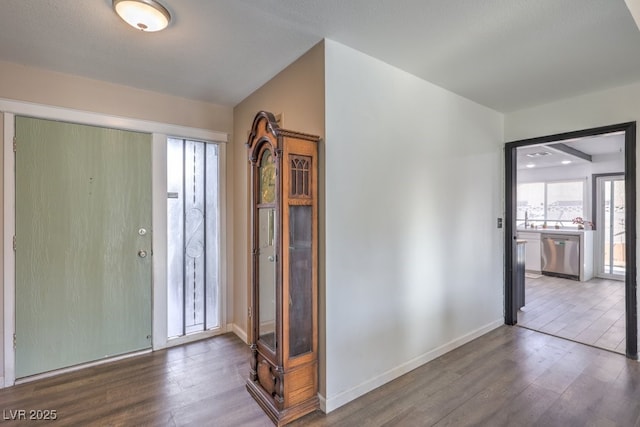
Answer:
[(553, 203)]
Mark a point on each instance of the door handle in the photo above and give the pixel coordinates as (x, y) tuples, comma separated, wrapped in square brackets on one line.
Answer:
[(142, 253)]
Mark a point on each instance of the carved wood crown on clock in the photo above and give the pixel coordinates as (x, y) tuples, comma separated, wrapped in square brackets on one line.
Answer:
[(283, 332), (264, 124)]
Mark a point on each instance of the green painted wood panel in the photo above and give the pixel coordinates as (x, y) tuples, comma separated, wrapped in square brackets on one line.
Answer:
[(82, 291)]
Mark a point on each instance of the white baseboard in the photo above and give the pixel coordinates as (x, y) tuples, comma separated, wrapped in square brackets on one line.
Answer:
[(323, 403), (347, 396), (241, 333), (1, 382)]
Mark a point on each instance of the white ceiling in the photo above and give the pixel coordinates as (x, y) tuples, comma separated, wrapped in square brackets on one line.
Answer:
[(599, 147), (505, 54)]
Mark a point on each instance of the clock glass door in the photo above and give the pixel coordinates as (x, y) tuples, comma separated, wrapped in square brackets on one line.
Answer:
[(267, 252)]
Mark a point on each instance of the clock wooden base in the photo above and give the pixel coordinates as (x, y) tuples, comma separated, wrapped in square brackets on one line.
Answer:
[(284, 416)]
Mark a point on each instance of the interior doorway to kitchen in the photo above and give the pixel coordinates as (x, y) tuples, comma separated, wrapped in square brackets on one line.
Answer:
[(565, 220)]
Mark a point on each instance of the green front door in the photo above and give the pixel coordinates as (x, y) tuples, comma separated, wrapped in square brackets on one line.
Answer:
[(83, 240)]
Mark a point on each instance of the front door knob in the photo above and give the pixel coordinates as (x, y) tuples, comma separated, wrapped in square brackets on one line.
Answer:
[(142, 253)]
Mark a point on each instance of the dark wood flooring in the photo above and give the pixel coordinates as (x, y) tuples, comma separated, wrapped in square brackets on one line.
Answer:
[(509, 377)]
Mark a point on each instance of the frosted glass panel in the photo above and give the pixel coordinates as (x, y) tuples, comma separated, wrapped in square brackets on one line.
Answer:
[(193, 230), (175, 250), (82, 291), (194, 236)]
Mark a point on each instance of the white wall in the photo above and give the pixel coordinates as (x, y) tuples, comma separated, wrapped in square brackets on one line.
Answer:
[(618, 105), (414, 260)]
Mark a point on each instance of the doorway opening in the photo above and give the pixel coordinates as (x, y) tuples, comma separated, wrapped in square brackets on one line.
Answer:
[(573, 244)]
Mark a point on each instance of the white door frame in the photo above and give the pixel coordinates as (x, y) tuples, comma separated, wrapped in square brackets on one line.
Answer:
[(599, 238), (159, 133)]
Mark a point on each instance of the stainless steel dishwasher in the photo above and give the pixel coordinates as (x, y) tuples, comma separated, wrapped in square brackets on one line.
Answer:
[(561, 255)]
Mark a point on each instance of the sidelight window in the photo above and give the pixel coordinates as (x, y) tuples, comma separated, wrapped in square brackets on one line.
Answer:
[(193, 217)]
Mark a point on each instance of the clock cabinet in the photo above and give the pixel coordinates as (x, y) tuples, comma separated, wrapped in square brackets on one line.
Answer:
[(283, 317)]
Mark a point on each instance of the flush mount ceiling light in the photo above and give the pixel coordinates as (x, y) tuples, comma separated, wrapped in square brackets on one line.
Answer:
[(145, 15), (539, 154)]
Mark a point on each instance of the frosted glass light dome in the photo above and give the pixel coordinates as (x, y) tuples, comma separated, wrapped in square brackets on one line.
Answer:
[(145, 15)]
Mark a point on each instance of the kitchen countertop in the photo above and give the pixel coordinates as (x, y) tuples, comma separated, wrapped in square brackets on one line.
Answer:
[(572, 231)]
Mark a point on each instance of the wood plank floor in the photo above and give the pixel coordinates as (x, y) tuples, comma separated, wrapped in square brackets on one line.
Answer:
[(588, 312), (509, 377)]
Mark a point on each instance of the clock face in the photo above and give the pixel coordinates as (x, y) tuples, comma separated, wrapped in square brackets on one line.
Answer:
[(267, 178)]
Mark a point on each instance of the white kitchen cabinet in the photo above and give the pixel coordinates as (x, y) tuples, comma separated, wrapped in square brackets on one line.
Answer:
[(586, 256), (533, 251), (532, 261)]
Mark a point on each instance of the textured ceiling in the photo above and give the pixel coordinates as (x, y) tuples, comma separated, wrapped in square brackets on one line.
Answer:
[(505, 54)]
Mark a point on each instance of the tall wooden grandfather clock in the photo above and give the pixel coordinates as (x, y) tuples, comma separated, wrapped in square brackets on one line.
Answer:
[(284, 268)]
